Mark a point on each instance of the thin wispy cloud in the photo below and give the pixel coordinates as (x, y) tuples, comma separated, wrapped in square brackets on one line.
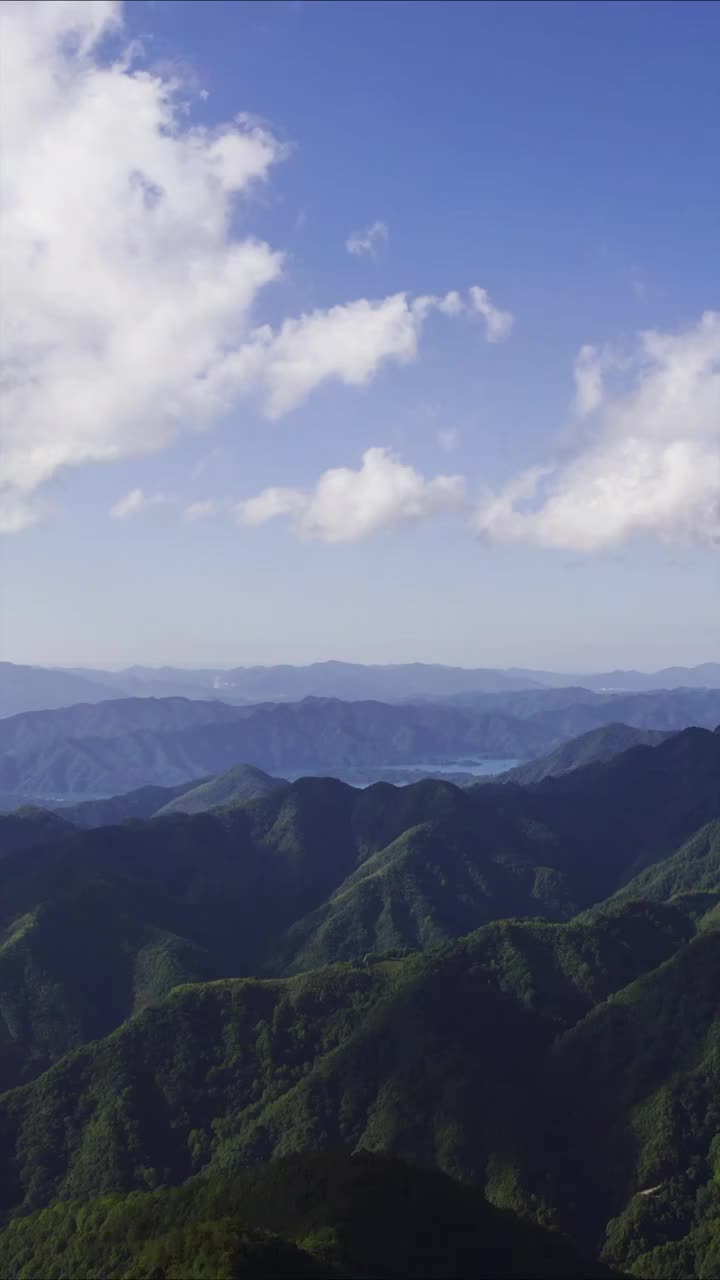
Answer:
[(498, 323), (368, 242), (448, 438), (136, 501), (589, 371), (202, 464), (203, 509)]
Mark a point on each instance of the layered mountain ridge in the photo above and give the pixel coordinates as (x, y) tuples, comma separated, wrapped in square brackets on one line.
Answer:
[(25, 688), (515, 984), (121, 745)]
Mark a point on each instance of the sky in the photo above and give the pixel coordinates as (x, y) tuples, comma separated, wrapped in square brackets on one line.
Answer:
[(380, 332)]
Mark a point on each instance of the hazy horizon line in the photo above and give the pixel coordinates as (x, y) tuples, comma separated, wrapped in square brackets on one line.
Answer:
[(119, 667)]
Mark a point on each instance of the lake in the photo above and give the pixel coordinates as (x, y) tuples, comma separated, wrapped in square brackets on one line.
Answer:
[(460, 771), (479, 768)]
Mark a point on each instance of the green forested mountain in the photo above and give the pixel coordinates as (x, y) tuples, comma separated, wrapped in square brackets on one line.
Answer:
[(322, 1215), (394, 970), (235, 786), (693, 869), (648, 1110), (248, 1062), (144, 802), (437, 1058), (588, 748), (313, 873)]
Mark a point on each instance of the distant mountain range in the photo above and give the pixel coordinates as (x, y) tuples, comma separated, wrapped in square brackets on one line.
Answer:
[(106, 748), (243, 782), (35, 688), (24, 688)]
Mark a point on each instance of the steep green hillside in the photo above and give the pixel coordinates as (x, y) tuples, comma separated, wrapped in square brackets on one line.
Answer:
[(589, 748), (423, 889), (611, 820), (563, 1068), (566, 1069), (428, 1056), (76, 965), (169, 901), (314, 873), (321, 1215), (140, 804), (634, 1090), (693, 870), (235, 786)]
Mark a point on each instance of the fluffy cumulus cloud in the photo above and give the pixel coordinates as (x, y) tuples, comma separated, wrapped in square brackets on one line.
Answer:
[(128, 296), (367, 242), (650, 463), (347, 505), (121, 284), (347, 342)]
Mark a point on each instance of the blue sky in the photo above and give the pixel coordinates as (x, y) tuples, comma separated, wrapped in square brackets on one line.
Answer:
[(562, 158)]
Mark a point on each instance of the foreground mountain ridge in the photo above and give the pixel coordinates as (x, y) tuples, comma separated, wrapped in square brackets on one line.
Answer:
[(322, 1215), (313, 873), (589, 748), (378, 1057), (304, 972)]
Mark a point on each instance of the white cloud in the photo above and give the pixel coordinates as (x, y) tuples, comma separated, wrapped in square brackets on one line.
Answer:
[(652, 465), (368, 241), (498, 323), (121, 285), (347, 505), (350, 343), (203, 509), (127, 297), (588, 372), (448, 438), (347, 342), (452, 304), (136, 501), (269, 504)]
